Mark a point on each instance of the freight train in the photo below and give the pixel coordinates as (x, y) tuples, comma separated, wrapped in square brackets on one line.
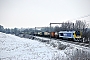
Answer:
[(69, 35)]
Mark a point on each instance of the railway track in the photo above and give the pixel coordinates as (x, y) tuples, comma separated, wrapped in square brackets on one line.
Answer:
[(72, 42), (77, 43)]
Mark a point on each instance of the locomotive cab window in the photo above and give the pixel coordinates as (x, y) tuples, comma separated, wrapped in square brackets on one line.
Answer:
[(77, 33), (61, 34)]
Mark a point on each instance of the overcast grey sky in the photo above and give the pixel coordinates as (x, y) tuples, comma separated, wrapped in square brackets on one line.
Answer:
[(31, 13)]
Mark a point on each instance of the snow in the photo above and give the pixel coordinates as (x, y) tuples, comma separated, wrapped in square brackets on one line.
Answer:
[(16, 48)]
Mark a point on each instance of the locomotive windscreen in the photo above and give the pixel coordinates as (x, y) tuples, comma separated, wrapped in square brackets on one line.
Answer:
[(77, 33)]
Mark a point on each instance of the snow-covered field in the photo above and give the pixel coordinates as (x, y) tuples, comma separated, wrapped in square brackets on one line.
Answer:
[(16, 48)]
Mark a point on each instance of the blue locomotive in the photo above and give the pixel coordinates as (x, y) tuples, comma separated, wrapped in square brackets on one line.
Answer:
[(70, 35)]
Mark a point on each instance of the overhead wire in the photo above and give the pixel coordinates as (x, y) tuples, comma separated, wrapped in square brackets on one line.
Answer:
[(81, 17)]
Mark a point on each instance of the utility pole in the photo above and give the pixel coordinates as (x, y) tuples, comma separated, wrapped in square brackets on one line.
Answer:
[(73, 26), (35, 31)]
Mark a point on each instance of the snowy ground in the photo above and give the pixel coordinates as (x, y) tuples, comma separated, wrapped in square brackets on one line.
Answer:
[(16, 48)]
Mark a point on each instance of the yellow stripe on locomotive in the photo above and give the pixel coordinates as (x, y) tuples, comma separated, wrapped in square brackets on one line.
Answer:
[(77, 34)]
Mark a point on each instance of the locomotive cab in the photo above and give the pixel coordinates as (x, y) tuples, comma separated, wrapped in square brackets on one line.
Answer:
[(77, 35)]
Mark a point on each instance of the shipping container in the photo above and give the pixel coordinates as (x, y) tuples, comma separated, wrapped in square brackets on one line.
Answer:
[(56, 35), (46, 34), (52, 34), (36, 33), (42, 33)]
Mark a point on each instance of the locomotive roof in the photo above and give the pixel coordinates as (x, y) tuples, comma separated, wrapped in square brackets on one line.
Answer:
[(67, 32)]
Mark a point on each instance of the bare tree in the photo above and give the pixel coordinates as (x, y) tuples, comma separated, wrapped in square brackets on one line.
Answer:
[(67, 26), (81, 25), (57, 29)]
